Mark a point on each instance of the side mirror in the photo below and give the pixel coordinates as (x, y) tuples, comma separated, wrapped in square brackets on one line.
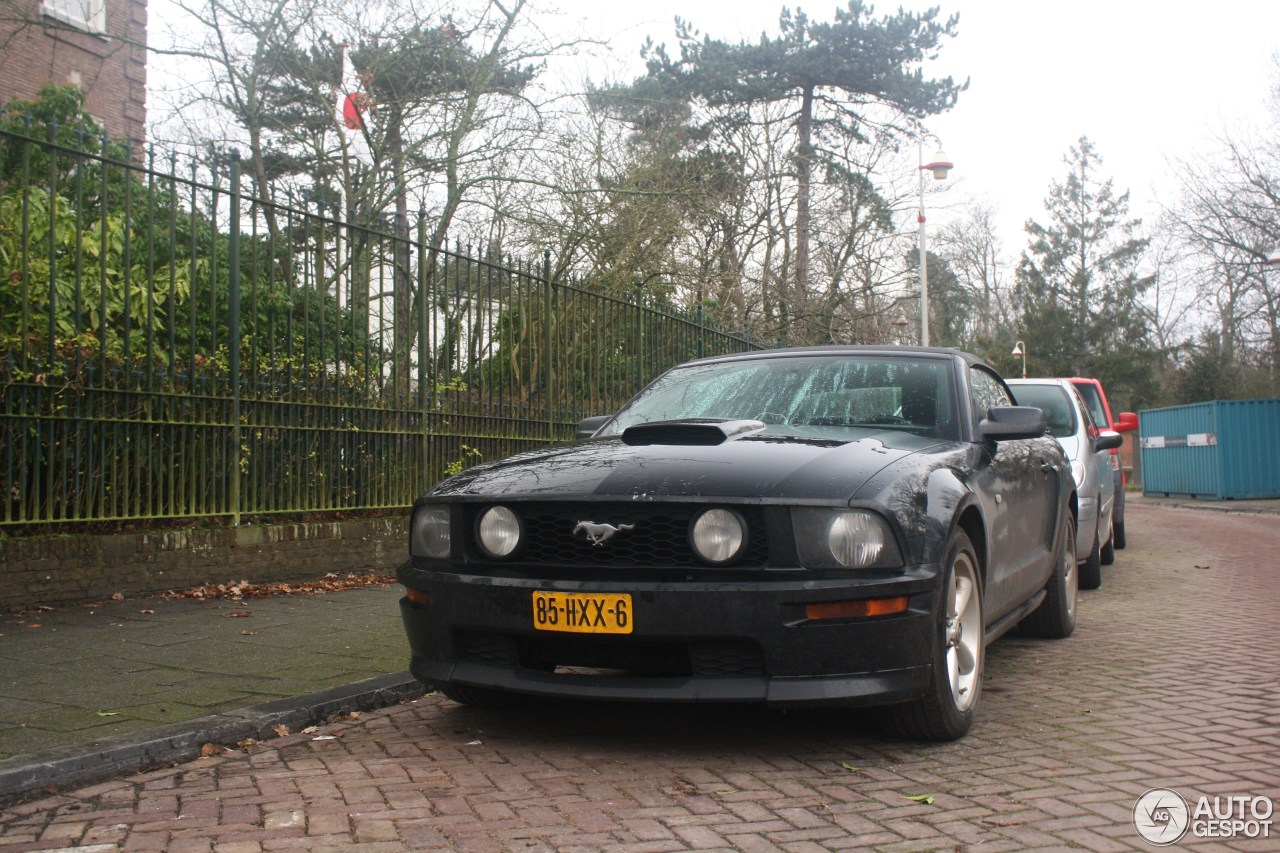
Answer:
[(1128, 422), (1009, 423), (1108, 440), (590, 426)]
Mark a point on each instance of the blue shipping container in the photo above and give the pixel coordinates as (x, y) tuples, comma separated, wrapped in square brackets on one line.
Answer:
[(1225, 449)]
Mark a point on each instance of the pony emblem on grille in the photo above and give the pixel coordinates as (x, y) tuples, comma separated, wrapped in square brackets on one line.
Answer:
[(598, 534)]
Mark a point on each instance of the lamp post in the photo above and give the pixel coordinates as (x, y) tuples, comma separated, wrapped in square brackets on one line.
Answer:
[(1020, 348), (939, 165)]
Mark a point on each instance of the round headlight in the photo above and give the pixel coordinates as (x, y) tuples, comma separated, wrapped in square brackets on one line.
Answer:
[(718, 536), (499, 531), (429, 532), (855, 539), (1077, 472)]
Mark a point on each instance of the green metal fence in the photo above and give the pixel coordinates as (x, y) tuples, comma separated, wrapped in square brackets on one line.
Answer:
[(172, 348)]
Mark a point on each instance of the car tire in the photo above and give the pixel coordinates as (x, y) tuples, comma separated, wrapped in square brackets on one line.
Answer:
[(1055, 618), (948, 709), (1109, 549), (1091, 568), (1118, 536), (477, 697)]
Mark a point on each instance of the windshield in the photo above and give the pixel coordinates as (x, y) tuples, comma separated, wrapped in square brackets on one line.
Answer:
[(816, 396), (1059, 413)]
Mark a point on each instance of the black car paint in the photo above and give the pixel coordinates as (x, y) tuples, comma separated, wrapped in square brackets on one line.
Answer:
[(925, 487)]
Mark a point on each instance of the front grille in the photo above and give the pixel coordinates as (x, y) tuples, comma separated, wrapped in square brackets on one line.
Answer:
[(645, 658), (658, 536)]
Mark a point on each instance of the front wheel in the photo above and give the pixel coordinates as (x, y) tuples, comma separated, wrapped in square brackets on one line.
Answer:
[(947, 711), (1056, 616)]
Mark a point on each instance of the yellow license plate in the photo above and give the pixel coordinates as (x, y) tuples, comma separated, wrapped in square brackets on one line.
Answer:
[(582, 612)]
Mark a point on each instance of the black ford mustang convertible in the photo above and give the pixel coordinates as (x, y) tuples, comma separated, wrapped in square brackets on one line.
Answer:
[(794, 527)]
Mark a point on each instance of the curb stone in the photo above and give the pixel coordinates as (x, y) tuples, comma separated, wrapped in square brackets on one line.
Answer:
[(108, 758)]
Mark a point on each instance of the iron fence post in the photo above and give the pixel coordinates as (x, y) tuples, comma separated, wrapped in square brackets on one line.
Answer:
[(233, 334), (550, 372), (424, 306), (639, 338)]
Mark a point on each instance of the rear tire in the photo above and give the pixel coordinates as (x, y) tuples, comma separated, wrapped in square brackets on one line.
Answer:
[(1109, 549), (1055, 618), (1091, 568), (948, 710)]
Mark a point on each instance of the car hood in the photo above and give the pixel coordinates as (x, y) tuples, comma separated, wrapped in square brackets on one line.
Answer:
[(751, 466)]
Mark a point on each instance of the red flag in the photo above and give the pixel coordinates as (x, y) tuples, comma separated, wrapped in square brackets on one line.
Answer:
[(351, 111)]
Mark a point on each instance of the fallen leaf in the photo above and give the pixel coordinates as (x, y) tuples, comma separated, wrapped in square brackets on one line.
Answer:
[(147, 612), (847, 766), (246, 743), (310, 730), (45, 608), (117, 596), (239, 614), (211, 749), (927, 799), (108, 713), (281, 730), (34, 625), (238, 590), (325, 737)]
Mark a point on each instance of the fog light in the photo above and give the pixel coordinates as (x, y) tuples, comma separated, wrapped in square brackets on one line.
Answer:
[(718, 536), (499, 531)]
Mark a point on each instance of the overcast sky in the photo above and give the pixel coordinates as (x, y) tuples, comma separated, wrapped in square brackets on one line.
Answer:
[(1148, 82)]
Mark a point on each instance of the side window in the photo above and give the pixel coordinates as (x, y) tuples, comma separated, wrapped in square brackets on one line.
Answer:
[(987, 391), (1093, 402)]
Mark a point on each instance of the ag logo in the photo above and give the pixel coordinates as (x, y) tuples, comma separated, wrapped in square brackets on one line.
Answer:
[(1161, 816)]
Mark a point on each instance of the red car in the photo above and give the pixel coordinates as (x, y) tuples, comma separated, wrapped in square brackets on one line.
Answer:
[(1100, 410)]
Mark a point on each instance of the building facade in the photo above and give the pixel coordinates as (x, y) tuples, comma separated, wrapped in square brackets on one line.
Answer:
[(97, 45)]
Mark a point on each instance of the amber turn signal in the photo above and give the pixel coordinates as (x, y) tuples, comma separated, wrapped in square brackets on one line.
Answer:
[(417, 596), (856, 609)]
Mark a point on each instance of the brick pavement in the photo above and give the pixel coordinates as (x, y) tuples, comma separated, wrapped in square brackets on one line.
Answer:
[(1172, 679)]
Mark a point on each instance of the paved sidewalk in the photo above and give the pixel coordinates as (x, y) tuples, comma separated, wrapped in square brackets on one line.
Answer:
[(119, 684)]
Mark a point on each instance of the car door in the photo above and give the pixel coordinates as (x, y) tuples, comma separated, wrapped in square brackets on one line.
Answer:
[(1018, 480), (1101, 460)]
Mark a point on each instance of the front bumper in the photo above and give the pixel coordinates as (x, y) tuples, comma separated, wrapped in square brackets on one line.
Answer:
[(704, 641)]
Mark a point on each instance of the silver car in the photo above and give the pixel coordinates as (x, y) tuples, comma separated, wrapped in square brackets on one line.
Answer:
[(1089, 450)]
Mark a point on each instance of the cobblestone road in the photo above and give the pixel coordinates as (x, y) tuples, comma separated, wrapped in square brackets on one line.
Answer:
[(1172, 680)]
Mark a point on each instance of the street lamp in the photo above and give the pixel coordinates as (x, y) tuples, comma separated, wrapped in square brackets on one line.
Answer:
[(1020, 349), (939, 165)]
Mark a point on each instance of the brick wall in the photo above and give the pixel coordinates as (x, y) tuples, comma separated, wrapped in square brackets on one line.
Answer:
[(110, 68), (60, 569)]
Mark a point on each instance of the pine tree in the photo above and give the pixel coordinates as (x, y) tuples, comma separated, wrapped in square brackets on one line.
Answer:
[(850, 78), (1079, 282)]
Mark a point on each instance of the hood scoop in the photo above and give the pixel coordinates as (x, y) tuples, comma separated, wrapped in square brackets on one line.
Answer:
[(688, 432)]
